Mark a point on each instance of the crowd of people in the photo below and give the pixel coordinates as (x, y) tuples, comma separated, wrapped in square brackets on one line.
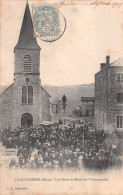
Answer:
[(63, 147)]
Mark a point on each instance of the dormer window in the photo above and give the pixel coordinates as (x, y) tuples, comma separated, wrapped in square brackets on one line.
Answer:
[(27, 63)]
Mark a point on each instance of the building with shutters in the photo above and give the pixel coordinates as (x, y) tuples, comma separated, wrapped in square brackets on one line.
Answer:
[(25, 102), (109, 95)]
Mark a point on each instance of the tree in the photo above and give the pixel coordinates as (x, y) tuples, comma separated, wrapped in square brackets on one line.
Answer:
[(64, 100)]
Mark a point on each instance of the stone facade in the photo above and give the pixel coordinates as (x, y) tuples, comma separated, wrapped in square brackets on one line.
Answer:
[(6, 99), (46, 105), (8, 108), (57, 107), (36, 104), (107, 87), (87, 106)]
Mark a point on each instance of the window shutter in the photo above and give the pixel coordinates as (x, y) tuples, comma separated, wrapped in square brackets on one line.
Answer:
[(27, 63)]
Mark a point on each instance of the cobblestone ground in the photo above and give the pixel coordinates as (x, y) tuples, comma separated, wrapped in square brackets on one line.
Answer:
[(6, 154)]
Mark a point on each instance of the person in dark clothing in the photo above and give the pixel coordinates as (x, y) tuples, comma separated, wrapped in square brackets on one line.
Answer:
[(13, 163), (20, 151), (46, 158), (21, 161)]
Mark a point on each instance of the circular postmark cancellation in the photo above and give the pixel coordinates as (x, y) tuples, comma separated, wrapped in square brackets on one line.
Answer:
[(49, 24)]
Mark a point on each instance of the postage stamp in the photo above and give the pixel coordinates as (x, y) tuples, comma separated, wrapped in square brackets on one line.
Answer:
[(47, 22)]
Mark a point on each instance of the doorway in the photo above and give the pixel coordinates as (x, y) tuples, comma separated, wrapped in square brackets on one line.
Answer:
[(26, 120)]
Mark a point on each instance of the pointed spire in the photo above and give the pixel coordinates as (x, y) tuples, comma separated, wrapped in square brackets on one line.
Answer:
[(26, 37)]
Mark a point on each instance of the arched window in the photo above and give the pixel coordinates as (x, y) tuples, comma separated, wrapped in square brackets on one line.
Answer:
[(30, 94), (27, 95), (24, 94), (27, 63)]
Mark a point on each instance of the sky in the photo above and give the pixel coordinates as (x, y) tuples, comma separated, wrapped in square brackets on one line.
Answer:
[(90, 35)]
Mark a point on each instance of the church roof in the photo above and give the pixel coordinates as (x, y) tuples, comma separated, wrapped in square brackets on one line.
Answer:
[(45, 91), (26, 37), (12, 86), (6, 89)]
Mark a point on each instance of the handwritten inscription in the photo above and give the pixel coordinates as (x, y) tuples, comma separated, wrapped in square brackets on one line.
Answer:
[(93, 4)]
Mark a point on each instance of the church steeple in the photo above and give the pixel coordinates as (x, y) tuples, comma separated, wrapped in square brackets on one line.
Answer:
[(26, 37)]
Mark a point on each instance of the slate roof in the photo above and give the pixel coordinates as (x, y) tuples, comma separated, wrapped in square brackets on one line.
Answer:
[(6, 89), (118, 62), (12, 86), (26, 38), (45, 91)]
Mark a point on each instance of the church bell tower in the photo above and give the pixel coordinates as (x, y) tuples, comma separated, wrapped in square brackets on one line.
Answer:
[(26, 105)]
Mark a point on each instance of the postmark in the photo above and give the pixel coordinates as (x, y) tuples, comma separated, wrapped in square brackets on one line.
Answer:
[(49, 24)]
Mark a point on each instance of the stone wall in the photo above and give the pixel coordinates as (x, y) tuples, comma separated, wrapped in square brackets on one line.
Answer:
[(6, 107), (12, 107), (19, 60), (101, 99), (114, 108), (87, 107), (18, 109), (106, 106), (45, 106)]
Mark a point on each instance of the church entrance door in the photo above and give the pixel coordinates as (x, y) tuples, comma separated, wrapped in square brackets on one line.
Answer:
[(26, 120)]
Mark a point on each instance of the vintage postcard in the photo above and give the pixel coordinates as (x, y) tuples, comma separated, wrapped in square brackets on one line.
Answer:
[(61, 97)]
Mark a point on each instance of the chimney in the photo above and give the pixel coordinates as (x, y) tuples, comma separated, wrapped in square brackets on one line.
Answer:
[(102, 66), (107, 60)]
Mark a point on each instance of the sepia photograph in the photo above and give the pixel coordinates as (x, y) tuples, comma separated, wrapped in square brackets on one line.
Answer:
[(61, 97)]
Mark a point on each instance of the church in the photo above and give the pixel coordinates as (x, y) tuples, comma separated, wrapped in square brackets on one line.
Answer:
[(25, 101)]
